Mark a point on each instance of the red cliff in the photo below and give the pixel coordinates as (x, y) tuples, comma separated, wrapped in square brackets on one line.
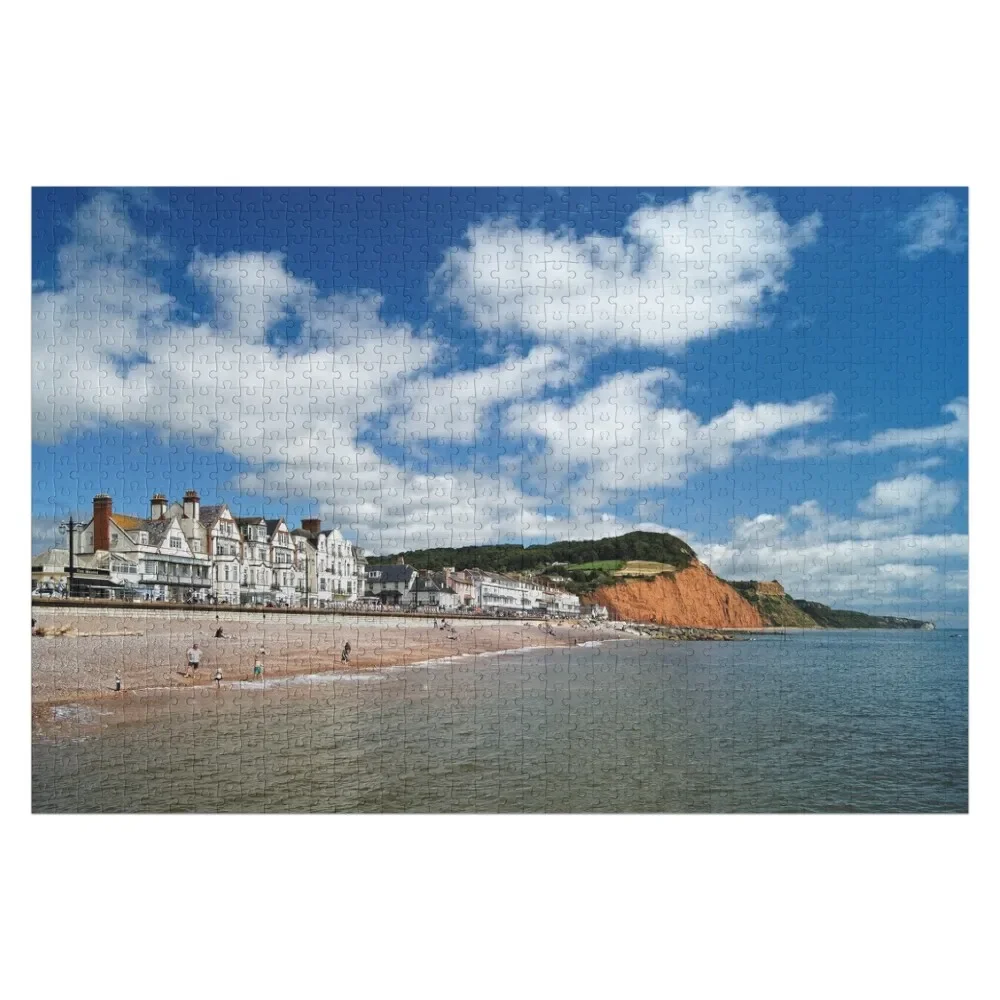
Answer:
[(694, 597)]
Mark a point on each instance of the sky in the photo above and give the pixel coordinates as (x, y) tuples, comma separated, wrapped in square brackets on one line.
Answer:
[(778, 376)]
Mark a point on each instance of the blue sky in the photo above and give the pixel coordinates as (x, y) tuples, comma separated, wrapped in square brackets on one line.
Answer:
[(779, 375)]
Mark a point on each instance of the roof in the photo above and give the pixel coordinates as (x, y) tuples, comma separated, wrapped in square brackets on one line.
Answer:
[(243, 521), (272, 524), (209, 515), (157, 530), (393, 572), (127, 522), (49, 556)]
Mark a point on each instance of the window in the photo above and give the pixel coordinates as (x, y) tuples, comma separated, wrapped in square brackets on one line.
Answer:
[(114, 536), (175, 542)]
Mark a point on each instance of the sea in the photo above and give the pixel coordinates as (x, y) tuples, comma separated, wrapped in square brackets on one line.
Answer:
[(802, 722)]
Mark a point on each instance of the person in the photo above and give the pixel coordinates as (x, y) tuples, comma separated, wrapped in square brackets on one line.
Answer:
[(218, 677), (345, 656), (194, 659), (218, 633), (118, 682), (258, 669), (435, 622)]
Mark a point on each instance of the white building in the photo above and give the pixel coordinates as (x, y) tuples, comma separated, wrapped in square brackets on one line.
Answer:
[(391, 583), (153, 558)]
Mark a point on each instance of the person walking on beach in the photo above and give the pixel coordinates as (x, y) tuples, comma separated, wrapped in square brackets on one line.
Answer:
[(258, 669), (194, 659), (218, 677), (345, 656)]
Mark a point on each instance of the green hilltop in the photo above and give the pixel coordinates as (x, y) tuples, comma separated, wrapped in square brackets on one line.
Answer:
[(648, 546)]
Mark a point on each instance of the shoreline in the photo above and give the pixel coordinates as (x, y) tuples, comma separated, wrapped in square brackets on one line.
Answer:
[(83, 650), (86, 714)]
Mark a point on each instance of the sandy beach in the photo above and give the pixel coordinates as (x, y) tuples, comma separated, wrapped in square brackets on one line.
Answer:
[(147, 648)]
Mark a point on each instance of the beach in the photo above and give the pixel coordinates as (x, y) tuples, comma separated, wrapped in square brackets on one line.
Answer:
[(147, 647)]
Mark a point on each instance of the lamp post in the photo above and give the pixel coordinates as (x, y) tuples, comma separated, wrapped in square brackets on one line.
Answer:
[(67, 528)]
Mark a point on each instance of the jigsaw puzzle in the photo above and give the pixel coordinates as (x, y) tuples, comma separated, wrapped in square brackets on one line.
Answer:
[(499, 500)]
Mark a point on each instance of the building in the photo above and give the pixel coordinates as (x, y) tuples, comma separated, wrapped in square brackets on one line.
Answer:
[(152, 558), (49, 571), (255, 561), (428, 593), (184, 551), (463, 584), (391, 583)]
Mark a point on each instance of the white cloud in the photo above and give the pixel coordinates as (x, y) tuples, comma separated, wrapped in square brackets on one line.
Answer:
[(454, 407), (919, 465), (108, 347), (876, 564), (937, 223), (915, 493), (953, 434), (621, 439), (680, 271)]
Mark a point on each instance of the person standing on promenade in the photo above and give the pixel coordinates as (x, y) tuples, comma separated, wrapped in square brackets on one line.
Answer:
[(345, 656), (194, 660)]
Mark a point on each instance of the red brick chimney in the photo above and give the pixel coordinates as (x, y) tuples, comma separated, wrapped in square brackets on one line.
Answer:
[(312, 525), (102, 522)]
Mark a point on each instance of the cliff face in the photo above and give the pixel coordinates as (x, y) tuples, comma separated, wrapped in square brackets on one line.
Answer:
[(772, 603), (694, 597)]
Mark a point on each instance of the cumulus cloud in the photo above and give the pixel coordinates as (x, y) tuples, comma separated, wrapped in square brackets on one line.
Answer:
[(681, 271), (310, 390), (885, 563), (937, 223), (952, 434), (915, 493), (622, 438)]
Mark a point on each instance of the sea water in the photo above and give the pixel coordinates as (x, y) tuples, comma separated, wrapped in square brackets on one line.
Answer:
[(838, 721)]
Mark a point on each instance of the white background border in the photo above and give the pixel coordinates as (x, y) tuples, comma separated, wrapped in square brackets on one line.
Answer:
[(583, 94)]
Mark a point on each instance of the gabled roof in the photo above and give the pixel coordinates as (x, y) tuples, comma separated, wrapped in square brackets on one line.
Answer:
[(158, 530), (209, 515), (244, 521), (272, 525)]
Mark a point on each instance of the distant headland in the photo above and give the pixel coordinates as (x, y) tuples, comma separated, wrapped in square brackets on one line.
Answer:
[(653, 577)]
